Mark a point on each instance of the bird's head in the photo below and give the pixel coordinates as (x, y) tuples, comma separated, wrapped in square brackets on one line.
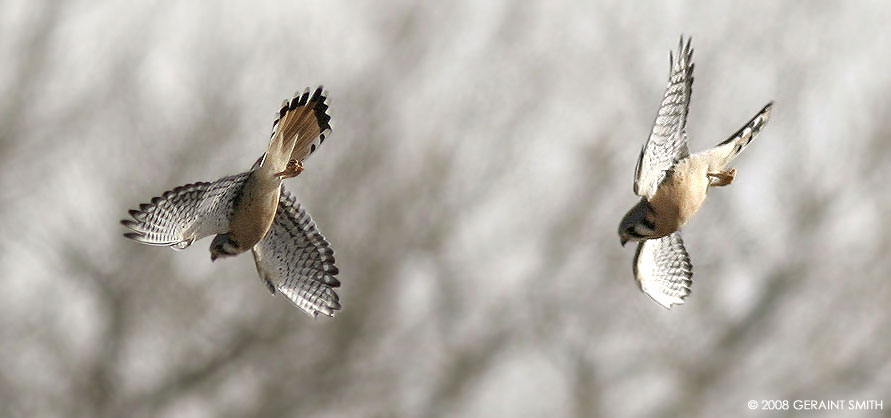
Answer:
[(638, 224), (223, 246)]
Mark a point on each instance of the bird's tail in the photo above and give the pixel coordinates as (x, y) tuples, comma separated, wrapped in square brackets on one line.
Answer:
[(300, 127), (722, 154)]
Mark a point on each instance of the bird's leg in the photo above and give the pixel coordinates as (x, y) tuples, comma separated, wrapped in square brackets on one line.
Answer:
[(722, 178), (294, 168)]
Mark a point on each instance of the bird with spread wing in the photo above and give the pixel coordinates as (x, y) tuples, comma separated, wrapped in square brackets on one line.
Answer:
[(253, 211), (673, 185)]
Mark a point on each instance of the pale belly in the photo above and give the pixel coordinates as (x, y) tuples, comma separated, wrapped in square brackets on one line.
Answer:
[(255, 211), (680, 196)]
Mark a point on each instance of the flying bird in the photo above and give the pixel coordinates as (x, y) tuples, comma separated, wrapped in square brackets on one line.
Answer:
[(673, 185), (252, 211)]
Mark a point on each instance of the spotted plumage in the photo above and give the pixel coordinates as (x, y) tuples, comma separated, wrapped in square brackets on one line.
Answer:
[(667, 142), (663, 270), (297, 260), (186, 214), (252, 211), (673, 185)]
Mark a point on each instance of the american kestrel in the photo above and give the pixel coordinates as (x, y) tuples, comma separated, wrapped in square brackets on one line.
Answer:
[(673, 185), (252, 211)]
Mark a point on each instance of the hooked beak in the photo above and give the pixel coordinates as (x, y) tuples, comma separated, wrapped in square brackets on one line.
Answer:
[(213, 257), (623, 240)]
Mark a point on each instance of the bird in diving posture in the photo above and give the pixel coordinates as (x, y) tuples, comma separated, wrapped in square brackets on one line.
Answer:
[(252, 211), (673, 185)]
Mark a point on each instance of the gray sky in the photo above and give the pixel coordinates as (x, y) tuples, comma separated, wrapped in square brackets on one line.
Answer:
[(481, 158)]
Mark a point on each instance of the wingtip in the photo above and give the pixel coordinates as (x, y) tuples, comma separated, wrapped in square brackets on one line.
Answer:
[(673, 304), (668, 301), (135, 236), (684, 58), (129, 223), (325, 311), (335, 306), (766, 111), (333, 271)]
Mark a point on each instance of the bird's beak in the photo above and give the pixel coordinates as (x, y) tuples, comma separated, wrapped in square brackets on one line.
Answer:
[(623, 240), (213, 257)]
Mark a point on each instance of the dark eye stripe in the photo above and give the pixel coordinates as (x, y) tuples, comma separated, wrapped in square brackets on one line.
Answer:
[(649, 224)]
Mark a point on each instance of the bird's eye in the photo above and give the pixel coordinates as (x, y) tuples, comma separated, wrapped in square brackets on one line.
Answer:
[(632, 231)]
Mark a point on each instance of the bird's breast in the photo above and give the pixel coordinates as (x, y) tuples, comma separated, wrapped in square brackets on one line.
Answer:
[(254, 210), (679, 197)]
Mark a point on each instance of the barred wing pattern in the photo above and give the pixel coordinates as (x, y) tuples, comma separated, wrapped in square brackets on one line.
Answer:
[(663, 270), (185, 214), (668, 140), (295, 259)]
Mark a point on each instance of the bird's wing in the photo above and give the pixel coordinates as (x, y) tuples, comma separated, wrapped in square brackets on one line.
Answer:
[(668, 140), (295, 259), (663, 270), (185, 214), (301, 125)]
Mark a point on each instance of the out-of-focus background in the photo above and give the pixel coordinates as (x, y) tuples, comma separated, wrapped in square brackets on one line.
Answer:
[(481, 159)]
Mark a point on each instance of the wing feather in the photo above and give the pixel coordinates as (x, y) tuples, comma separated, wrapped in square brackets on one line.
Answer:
[(667, 142), (663, 270), (295, 259), (185, 214)]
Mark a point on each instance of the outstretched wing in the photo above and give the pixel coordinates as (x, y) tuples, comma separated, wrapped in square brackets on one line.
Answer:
[(668, 140), (663, 270), (295, 259), (186, 214)]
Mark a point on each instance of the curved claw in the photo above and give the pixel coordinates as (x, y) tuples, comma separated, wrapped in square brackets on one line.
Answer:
[(294, 168), (722, 178)]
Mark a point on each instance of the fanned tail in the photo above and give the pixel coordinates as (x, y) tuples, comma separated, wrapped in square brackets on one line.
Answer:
[(722, 154), (301, 125)]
